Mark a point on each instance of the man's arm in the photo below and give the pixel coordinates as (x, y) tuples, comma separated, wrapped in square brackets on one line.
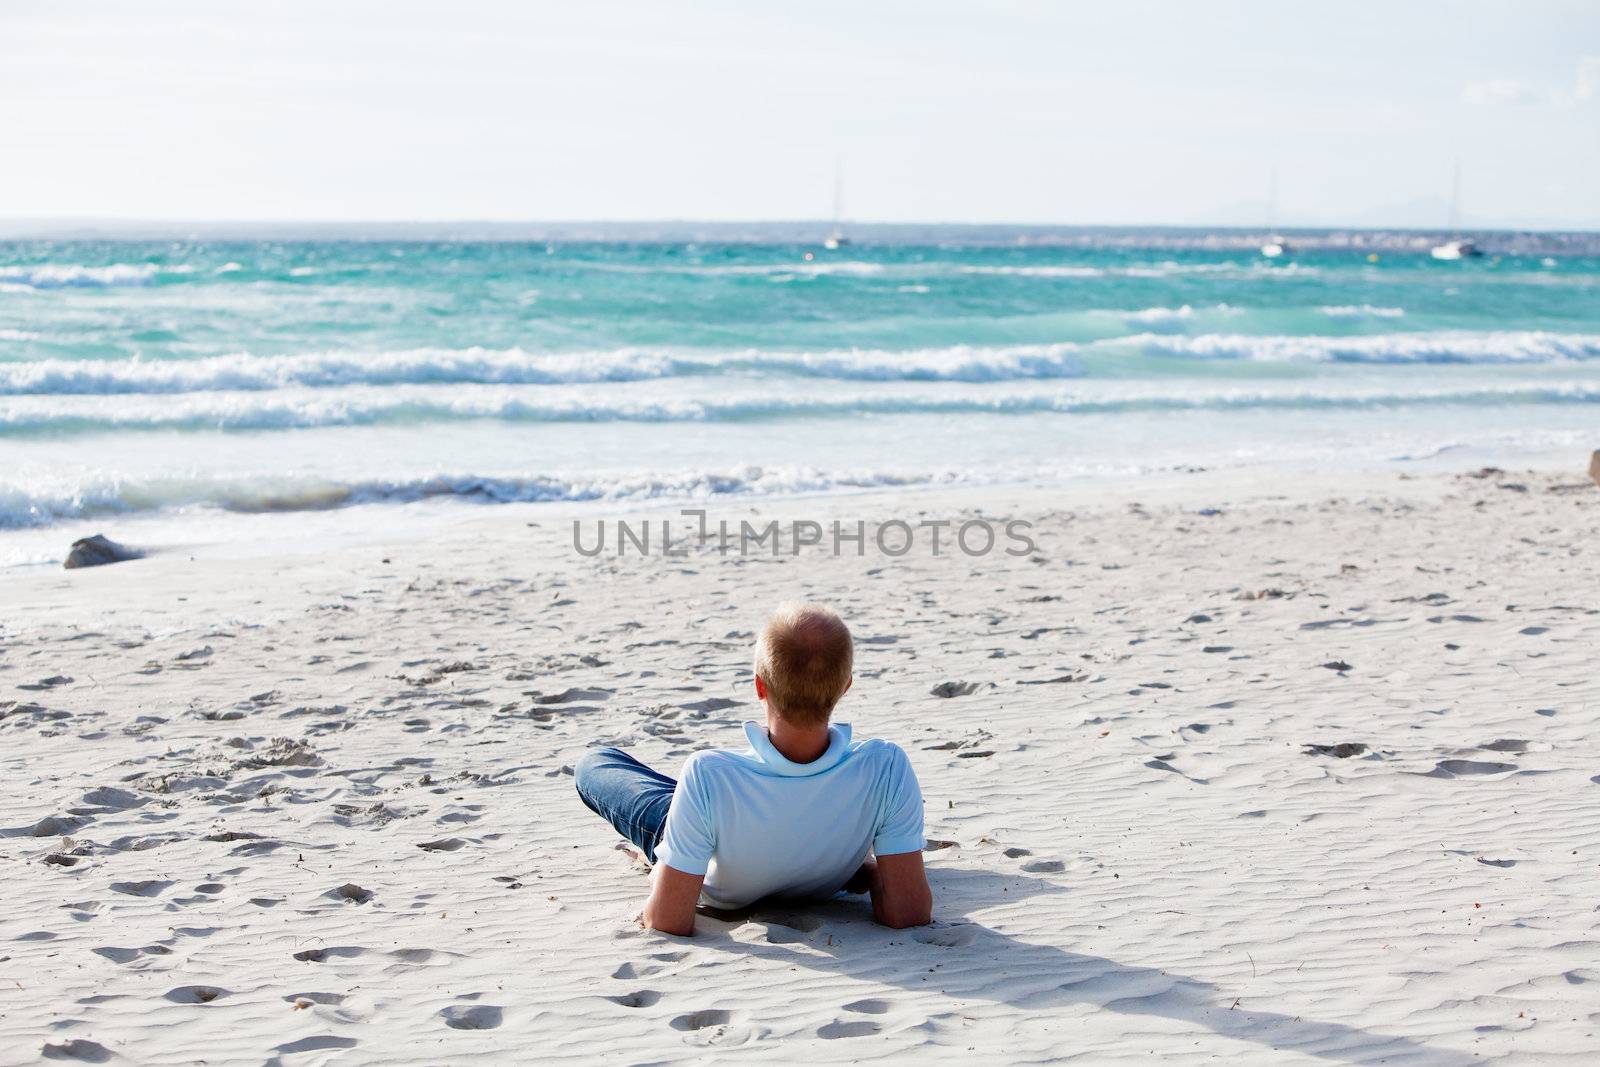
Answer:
[(673, 896), (900, 893)]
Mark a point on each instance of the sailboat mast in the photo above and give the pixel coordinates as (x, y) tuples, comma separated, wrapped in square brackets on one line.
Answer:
[(1455, 198), (1272, 200), (838, 193)]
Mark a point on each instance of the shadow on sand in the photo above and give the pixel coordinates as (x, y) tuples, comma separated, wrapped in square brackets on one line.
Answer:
[(965, 960)]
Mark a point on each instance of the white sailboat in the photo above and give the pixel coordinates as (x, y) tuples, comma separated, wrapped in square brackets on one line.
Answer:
[(1458, 247), (836, 238), (1275, 245)]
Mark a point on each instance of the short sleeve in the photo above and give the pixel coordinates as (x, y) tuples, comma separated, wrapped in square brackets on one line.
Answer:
[(900, 824), (689, 837)]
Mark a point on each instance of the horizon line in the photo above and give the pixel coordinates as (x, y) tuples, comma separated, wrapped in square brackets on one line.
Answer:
[(45, 222)]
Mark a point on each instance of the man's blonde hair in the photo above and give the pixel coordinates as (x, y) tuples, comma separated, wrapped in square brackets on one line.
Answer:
[(805, 657)]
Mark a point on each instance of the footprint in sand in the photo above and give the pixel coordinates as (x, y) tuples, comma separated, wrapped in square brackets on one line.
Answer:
[(1044, 867), (787, 929), (443, 844), (847, 1028), (50, 826), (629, 970), (46, 683), (1342, 750), (1462, 768), (1017, 853), (128, 955), (195, 994), (419, 956), (319, 1043), (642, 998), (701, 1020), (870, 1006), (351, 893), (472, 1016), (79, 1049), (710, 704), (946, 936), (109, 798), (322, 955), (1507, 744)]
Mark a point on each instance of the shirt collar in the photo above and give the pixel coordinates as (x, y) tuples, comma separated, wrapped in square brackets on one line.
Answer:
[(778, 763)]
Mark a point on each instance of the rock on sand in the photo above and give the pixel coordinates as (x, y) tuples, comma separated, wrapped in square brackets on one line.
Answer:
[(97, 550)]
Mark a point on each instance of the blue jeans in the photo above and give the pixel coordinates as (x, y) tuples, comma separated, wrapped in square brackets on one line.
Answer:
[(627, 794)]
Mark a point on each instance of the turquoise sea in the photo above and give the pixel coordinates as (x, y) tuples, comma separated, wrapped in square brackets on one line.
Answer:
[(189, 380)]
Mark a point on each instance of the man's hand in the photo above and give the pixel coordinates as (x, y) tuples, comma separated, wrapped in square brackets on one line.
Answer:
[(861, 881), (673, 896), (900, 893)]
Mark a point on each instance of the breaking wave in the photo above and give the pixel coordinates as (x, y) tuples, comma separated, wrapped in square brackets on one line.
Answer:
[(404, 405), (21, 508), (72, 276), (954, 363), (1510, 346)]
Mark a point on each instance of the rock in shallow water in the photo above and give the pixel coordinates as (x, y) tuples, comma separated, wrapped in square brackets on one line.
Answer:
[(97, 550)]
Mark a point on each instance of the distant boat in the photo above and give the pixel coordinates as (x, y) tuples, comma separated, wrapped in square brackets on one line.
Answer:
[(1458, 247), (1456, 250), (836, 239), (1274, 246)]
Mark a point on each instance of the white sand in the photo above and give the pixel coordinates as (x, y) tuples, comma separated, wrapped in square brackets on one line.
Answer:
[(1144, 858)]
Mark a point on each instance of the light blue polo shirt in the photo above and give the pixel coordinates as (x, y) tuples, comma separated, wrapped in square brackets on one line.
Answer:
[(758, 825)]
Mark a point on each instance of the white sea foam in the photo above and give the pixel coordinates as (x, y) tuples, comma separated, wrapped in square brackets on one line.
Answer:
[(1159, 315), (794, 267), (1163, 319), (1165, 269), (954, 363), (962, 363), (1041, 271), (413, 404), (1361, 311), (64, 276), (99, 496), (1501, 346)]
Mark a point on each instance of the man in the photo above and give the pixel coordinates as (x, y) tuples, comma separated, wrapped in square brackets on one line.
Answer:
[(805, 813)]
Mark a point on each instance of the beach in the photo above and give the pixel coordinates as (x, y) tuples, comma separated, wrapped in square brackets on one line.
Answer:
[(1269, 764)]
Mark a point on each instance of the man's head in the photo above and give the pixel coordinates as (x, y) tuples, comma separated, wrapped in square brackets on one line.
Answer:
[(803, 662)]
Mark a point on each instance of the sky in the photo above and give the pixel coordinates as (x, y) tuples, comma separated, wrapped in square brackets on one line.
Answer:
[(1135, 112)]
